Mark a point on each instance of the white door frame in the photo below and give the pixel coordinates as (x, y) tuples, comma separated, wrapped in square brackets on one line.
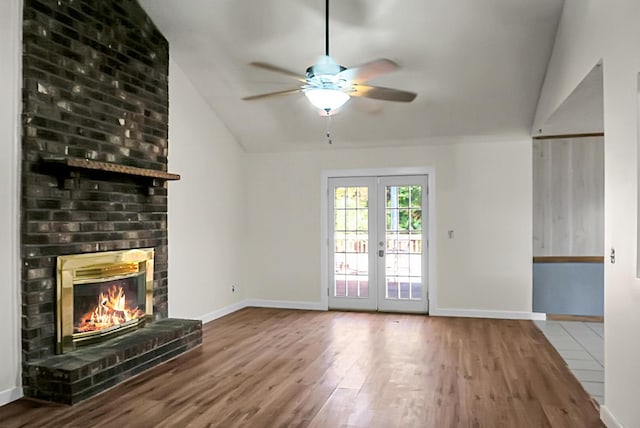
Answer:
[(431, 226)]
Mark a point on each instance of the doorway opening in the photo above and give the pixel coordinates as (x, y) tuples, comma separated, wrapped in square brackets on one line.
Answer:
[(568, 230)]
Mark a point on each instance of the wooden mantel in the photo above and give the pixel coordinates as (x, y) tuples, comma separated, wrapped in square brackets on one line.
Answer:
[(109, 167)]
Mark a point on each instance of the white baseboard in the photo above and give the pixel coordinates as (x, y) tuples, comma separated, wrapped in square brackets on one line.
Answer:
[(318, 306), (9, 395), (481, 313), (285, 304), (607, 417), (219, 313), (258, 303)]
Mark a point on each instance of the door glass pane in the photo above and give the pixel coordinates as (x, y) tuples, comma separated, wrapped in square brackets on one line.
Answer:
[(403, 264), (351, 239)]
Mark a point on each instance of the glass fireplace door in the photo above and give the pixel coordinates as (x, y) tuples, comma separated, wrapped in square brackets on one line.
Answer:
[(101, 294)]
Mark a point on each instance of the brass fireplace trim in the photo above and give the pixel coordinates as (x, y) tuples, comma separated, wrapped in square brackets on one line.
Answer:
[(95, 267)]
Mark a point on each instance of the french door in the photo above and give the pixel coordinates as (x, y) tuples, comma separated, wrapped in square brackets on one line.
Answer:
[(378, 243)]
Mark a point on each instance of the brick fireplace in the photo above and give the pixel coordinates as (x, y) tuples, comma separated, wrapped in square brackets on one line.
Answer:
[(94, 179)]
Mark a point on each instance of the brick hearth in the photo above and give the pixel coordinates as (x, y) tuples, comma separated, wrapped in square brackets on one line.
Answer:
[(73, 377)]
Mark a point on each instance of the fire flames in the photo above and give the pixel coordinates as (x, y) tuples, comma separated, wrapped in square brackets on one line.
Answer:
[(110, 311)]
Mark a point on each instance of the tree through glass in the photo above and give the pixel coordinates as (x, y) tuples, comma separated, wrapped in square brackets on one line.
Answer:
[(403, 266)]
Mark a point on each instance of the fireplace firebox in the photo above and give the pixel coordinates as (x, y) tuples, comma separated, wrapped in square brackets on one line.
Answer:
[(102, 294)]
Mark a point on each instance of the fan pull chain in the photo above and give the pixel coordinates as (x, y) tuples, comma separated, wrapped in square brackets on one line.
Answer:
[(329, 140)]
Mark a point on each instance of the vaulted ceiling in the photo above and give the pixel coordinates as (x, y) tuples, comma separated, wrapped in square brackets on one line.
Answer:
[(477, 65)]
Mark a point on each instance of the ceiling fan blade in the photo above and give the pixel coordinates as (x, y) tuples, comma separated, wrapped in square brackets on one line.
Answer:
[(380, 93), (369, 70), (272, 94), (280, 70)]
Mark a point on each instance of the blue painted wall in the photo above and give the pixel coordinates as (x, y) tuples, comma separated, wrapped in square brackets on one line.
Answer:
[(568, 288)]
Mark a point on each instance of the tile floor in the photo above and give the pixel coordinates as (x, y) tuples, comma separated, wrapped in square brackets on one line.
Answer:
[(581, 344)]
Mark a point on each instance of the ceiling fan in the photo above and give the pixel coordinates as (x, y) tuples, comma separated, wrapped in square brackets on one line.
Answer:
[(328, 85)]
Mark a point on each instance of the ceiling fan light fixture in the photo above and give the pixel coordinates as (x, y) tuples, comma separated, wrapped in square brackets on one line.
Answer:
[(329, 85), (326, 99)]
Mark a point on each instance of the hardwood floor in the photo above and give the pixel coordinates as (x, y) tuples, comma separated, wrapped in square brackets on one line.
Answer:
[(281, 368)]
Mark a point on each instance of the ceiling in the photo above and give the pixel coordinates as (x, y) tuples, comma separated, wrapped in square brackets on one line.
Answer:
[(476, 65), (583, 110)]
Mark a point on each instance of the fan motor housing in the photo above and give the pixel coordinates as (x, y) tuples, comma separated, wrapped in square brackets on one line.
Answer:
[(324, 69)]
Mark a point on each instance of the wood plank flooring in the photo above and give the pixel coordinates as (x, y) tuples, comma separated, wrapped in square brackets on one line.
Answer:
[(282, 368)]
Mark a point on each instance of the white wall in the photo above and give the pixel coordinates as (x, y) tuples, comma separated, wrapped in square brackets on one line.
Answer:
[(10, 51), (591, 30), (207, 208), (483, 192)]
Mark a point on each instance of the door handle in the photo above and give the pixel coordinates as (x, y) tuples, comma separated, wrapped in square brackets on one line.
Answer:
[(380, 253)]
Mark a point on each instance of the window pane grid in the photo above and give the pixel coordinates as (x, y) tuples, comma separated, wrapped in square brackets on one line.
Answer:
[(351, 240), (403, 218)]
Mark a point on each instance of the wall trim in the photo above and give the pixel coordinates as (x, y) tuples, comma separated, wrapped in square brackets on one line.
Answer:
[(568, 259), (607, 417), (260, 303), (481, 313), (319, 306), (285, 304), (583, 318), (15, 101), (9, 395), (561, 136), (219, 313)]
